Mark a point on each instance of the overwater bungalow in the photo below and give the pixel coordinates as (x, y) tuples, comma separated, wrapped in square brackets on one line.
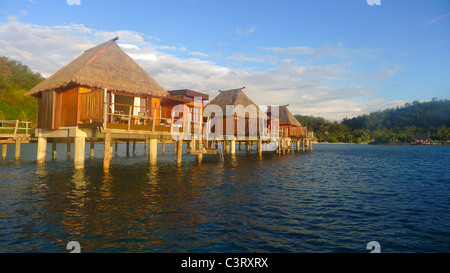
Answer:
[(103, 86), (193, 101), (291, 130), (289, 125), (245, 110)]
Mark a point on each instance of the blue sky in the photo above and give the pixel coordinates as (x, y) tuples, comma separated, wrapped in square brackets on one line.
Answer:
[(335, 59)]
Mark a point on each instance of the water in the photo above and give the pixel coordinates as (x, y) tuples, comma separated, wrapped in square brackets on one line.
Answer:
[(334, 199)]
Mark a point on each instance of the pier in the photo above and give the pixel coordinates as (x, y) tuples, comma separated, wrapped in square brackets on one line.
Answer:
[(110, 139)]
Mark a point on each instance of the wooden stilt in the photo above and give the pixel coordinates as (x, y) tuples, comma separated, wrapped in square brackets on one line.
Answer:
[(18, 149), (240, 145), (110, 150), (153, 151), (200, 155), (53, 150), (115, 150), (41, 150), (192, 144), (134, 147), (69, 147), (175, 146), (145, 147), (80, 147), (107, 152), (260, 147), (4, 150), (233, 147), (128, 148), (279, 146), (227, 146), (179, 151), (92, 149), (163, 148), (247, 146)]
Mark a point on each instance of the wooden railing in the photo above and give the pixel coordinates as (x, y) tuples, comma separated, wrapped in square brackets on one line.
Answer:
[(96, 108), (15, 125)]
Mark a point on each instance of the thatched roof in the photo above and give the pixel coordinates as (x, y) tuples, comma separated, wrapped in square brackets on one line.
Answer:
[(286, 117), (233, 97), (103, 66)]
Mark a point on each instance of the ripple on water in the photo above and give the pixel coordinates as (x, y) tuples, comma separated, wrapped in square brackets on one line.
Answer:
[(335, 199)]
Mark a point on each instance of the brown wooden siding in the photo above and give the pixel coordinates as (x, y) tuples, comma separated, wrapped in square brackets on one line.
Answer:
[(91, 105), (57, 110), (45, 110), (69, 99)]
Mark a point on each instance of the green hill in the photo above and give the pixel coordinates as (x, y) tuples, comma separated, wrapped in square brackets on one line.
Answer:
[(15, 80), (390, 126)]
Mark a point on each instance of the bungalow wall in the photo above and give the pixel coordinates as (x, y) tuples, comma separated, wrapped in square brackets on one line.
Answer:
[(78, 105)]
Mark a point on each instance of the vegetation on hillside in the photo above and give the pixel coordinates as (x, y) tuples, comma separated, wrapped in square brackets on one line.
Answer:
[(15, 80), (390, 126)]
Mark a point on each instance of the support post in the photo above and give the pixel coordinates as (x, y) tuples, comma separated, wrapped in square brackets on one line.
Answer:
[(247, 146), (153, 152), (41, 150), (233, 147), (115, 150), (279, 145), (17, 149), (227, 146), (260, 148), (92, 149), (69, 147), (4, 150), (145, 146), (199, 155), (107, 152), (179, 151), (128, 148), (163, 148), (53, 150), (80, 147), (134, 147)]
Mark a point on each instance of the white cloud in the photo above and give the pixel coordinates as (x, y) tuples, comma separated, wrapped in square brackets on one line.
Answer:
[(310, 89), (242, 58), (437, 19), (240, 32), (199, 54)]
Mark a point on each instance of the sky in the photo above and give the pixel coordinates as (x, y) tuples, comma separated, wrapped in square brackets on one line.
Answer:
[(327, 58)]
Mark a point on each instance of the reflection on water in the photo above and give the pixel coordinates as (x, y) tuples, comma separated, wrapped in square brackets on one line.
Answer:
[(335, 199)]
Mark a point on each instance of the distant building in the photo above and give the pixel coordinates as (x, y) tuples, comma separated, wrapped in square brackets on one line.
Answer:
[(422, 137)]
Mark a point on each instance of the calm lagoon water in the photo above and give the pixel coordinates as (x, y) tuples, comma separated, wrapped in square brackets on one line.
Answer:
[(336, 198)]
